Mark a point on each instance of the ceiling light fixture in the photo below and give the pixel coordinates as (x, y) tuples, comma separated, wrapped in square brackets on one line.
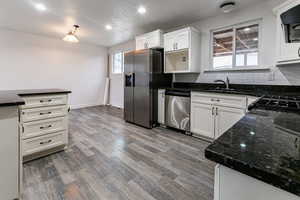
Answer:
[(40, 7), (108, 27), (142, 10), (228, 7), (71, 36), (255, 39)]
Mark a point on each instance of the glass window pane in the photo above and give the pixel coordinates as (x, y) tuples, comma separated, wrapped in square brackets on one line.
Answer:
[(240, 60), (247, 45), (222, 49), (252, 59), (117, 63)]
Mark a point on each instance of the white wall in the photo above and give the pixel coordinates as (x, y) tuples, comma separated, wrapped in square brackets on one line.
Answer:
[(116, 97), (262, 10), (33, 62)]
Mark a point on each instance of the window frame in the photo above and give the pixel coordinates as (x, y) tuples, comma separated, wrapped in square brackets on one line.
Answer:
[(113, 63), (234, 28)]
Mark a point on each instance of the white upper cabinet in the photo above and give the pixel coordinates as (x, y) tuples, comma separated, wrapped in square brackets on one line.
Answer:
[(182, 51), (149, 40), (287, 53)]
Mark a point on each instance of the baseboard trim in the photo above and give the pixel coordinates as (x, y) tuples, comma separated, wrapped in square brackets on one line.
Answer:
[(74, 107)]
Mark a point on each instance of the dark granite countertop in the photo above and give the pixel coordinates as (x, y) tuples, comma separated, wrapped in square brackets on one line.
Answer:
[(239, 89), (264, 145), (13, 97)]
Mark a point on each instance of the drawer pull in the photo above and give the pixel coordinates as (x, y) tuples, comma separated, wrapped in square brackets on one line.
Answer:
[(46, 113), (46, 142), (43, 127), (42, 101)]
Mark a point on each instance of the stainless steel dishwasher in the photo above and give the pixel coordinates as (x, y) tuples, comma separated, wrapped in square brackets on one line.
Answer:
[(177, 109)]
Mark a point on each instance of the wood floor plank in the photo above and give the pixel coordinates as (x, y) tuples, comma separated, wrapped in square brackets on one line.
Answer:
[(109, 159)]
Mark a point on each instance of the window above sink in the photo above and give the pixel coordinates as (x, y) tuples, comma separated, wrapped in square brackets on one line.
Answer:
[(236, 47)]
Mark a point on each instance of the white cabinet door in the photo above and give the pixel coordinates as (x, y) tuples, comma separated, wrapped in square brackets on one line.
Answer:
[(169, 42), (225, 118), (140, 43), (161, 107), (202, 120), (182, 40)]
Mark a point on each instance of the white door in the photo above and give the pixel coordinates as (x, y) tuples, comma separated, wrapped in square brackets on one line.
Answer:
[(161, 106), (182, 40), (169, 42), (225, 118), (202, 120)]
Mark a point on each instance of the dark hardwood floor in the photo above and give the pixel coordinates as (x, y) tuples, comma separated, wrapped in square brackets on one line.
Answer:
[(109, 159)]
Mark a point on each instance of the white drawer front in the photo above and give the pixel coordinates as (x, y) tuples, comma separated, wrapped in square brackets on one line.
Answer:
[(34, 114), (227, 100), (44, 100), (38, 144), (42, 127)]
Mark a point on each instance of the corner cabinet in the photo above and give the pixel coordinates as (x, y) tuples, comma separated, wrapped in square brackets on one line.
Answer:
[(213, 114), (149, 40), (287, 53), (182, 51)]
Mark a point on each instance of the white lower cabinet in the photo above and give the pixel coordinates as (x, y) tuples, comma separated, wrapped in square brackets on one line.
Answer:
[(226, 118), (233, 185), (202, 120), (161, 107), (44, 125), (213, 114)]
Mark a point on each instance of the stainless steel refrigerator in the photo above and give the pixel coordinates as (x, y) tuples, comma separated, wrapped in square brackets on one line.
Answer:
[(144, 74)]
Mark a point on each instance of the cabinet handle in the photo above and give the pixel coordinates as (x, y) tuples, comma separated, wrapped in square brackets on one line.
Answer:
[(213, 111), (42, 101), (43, 127), (45, 113), (216, 111), (46, 142)]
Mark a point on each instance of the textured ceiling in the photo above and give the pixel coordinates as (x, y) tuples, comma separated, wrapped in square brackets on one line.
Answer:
[(93, 15)]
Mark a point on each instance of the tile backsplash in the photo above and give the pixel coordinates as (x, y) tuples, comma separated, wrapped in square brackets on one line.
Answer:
[(285, 75)]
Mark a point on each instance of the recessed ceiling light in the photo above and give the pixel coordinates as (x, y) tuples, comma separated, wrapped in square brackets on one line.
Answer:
[(142, 10), (40, 7), (255, 39), (247, 29), (108, 27), (228, 7)]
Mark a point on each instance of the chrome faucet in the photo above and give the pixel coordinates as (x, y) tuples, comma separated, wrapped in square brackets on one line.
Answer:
[(226, 83)]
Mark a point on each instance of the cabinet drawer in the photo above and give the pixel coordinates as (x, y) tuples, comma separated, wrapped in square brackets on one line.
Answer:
[(34, 114), (42, 127), (234, 101), (44, 100), (38, 144)]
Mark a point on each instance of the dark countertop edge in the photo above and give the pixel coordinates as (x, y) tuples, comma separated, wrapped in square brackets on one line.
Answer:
[(43, 93), (252, 171), (16, 95)]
